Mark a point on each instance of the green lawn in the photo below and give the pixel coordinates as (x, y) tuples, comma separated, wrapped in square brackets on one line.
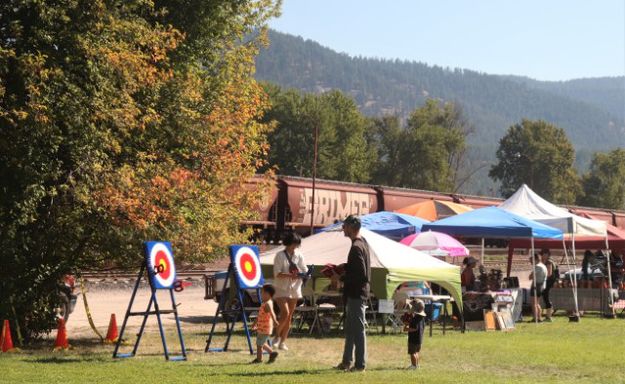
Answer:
[(591, 351)]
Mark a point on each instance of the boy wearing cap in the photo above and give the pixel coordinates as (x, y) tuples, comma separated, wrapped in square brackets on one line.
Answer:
[(415, 327)]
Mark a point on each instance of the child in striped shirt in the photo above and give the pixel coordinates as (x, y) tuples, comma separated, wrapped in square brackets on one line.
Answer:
[(264, 325)]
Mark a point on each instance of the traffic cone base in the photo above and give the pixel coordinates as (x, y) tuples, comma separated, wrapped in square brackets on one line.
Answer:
[(61, 342), (6, 341), (112, 335)]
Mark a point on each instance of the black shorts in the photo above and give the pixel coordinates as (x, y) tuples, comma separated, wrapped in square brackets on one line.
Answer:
[(413, 348), (536, 293)]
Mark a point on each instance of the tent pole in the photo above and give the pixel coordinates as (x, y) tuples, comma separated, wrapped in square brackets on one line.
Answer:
[(534, 282), (573, 288), (482, 254), (607, 247), (575, 295)]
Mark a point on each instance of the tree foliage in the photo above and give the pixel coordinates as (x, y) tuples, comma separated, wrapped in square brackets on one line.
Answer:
[(604, 184), (427, 153), (343, 153), (122, 122), (540, 155)]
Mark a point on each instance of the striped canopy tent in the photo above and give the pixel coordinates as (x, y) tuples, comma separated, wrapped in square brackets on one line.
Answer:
[(433, 210)]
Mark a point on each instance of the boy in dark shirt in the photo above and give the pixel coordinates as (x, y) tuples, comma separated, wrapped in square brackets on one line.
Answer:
[(415, 327)]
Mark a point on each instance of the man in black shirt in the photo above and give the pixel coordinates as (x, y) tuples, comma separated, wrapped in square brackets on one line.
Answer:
[(356, 292)]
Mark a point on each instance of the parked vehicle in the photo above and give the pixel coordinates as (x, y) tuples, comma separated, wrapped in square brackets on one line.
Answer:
[(67, 297)]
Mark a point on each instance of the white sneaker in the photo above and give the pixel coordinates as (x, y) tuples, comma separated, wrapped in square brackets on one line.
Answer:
[(275, 341), (411, 367), (283, 347)]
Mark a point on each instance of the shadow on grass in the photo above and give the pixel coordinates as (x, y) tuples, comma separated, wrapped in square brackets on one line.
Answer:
[(304, 372), (283, 373), (197, 319), (58, 360)]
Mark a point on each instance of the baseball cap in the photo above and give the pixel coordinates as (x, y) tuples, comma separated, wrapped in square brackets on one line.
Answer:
[(352, 221)]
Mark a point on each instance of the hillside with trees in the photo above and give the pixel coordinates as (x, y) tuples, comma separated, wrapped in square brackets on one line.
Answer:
[(586, 109)]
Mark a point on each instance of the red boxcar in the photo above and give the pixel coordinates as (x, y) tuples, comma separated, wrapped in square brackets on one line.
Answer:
[(333, 201), (288, 204)]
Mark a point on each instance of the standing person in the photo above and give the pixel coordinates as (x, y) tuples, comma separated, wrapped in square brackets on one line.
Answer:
[(553, 274), (264, 325), (538, 278), (355, 293), (287, 266), (467, 277), (415, 328)]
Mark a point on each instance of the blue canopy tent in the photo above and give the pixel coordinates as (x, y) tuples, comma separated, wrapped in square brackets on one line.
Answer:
[(393, 225), (493, 222)]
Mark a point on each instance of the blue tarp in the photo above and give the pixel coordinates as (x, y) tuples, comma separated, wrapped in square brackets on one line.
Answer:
[(389, 224), (493, 222)]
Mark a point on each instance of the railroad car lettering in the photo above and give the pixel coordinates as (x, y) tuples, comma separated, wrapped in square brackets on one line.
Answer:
[(332, 205)]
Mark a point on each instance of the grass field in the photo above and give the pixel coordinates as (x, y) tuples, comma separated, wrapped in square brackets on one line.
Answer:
[(591, 351)]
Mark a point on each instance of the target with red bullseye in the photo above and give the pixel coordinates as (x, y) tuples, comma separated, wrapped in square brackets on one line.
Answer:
[(160, 263), (247, 265)]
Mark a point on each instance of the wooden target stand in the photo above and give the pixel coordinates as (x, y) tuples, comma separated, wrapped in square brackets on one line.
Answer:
[(159, 263), (244, 270)]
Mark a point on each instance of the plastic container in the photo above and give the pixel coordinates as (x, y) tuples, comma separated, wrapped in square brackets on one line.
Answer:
[(433, 310)]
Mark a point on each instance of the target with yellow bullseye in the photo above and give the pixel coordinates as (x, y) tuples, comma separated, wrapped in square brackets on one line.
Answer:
[(160, 264), (247, 265)]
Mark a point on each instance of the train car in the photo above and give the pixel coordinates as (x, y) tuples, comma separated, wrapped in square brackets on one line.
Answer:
[(264, 224), (288, 204), (595, 213), (476, 202), (619, 219), (392, 199), (333, 201)]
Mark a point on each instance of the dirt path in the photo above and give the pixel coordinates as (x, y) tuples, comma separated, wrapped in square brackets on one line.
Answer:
[(193, 309)]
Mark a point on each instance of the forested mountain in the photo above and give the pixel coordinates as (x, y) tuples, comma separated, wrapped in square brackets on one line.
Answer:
[(587, 109), (607, 93)]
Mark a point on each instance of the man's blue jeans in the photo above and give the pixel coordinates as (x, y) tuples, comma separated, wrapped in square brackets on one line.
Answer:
[(355, 337)]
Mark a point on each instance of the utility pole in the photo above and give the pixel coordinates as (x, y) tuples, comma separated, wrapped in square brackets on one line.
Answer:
[(314, 177)]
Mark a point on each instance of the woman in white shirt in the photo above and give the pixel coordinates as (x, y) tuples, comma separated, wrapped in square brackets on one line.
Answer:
[(287, 266)]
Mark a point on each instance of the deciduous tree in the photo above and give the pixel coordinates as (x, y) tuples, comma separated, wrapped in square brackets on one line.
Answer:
[(343, 150), (540, 155), (604, 184), (122, 122), (428, 153)]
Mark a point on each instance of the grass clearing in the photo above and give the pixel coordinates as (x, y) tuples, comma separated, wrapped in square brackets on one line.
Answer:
[(562, 352)]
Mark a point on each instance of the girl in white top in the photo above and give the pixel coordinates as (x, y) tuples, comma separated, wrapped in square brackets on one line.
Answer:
[(286, 267)]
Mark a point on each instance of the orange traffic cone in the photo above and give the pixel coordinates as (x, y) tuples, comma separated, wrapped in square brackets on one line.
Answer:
[(112, 335), (61, 336), (6, 339)]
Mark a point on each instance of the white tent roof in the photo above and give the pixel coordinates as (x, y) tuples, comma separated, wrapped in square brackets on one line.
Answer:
[(401, 262), (527, 203)]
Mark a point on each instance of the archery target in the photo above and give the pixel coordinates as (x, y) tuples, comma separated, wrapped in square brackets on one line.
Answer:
[(247, 265), (160, 264)]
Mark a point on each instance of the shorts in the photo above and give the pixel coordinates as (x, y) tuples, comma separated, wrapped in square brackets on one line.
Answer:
[(261, 339), (536, 293), (413, 348)]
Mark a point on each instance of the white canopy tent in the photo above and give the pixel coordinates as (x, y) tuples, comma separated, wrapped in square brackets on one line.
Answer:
[(392, 263), (527, 203)]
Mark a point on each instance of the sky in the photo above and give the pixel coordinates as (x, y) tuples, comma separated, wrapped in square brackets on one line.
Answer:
[(542, 39)]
